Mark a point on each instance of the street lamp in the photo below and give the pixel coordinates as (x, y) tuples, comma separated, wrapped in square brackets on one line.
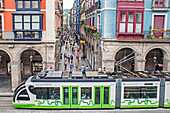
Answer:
[(31, 57), (0, 58), (154, 59)]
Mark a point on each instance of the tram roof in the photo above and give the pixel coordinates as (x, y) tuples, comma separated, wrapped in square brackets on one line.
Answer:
[(76, 76)]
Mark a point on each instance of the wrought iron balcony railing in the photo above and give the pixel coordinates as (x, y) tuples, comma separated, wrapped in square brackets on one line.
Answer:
[(161, 3)]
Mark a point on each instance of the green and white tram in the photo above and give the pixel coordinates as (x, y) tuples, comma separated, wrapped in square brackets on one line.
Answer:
[(54, 92)]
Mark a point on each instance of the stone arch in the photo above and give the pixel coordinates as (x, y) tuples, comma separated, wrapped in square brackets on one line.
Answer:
[(24, 49), (165, 51), (120, 54), (161, 55), (120, 48), (8, 53)]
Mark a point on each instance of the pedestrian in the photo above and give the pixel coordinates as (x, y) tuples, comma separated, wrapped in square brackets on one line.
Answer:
[(76, 64), (87, 68), (82, 68), (71, 66), (71, 57), (68, 57), (65, 65), (65, 55), (77, 57)]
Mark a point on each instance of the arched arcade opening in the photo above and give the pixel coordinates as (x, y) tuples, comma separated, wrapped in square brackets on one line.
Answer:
[(5, 72), (125, 53), (31, 63), (155, 60)]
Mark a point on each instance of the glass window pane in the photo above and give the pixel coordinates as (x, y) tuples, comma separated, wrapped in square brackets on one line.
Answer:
[(18, 25), (34, 4), (27, 4), (35, 18), (26, 25), (138, 17), (19, 34), (23, 96), (26, 18), (66, 95), (138, 28), (130, 17), (27, 34), (74, 95), (131, 92), (19, 4), (41, 93), (86, 93), (35, 26), (35, 34), (106, 95), (122, 27), (97, 95), (140, 92), (139, 0), (122, 17), (149, 92), (54, 93), (130, 28), (18, 18)]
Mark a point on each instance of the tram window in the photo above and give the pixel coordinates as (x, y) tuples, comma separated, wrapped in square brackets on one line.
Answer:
[(149, 92), (106, 95), (86, 93), (54, 93), (23, 95), (140, 92), (41, 93)]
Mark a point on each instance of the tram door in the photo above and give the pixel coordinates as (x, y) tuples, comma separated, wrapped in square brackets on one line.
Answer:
[(101, 96), (70, 96)]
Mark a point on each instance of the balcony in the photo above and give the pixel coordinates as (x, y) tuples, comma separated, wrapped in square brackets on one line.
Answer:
[(161, 5), (98, 5), (90, 10), (157, 34)]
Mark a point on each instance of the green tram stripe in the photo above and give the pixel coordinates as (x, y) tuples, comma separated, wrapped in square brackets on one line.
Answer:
[(167, 100), (56, 102), (146, 101), (88, 103), (140, 106)]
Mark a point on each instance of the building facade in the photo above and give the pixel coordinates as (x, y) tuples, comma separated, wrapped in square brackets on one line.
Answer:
[(114, 29), (28, 43)]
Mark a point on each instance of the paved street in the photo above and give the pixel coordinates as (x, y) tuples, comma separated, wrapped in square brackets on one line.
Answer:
[(69, 52), (7, 107)]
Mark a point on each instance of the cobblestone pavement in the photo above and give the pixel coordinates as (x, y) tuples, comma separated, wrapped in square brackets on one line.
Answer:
[(7, 107)]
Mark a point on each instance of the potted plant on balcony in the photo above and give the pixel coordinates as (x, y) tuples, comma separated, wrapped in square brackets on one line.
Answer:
[(152, 37), (162, 30), (155, 30), (160, 37), (97, 35), (168, 30)]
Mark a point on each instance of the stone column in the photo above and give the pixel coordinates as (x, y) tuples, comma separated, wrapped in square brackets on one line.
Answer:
[(15, 74), (109, 65), (139, 65), (166, 65)]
